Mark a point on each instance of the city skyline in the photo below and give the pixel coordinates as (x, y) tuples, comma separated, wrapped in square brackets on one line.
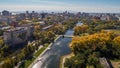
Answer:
[(102, 6)]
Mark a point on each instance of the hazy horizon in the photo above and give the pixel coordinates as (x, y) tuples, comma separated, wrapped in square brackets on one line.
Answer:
[(98, 6)]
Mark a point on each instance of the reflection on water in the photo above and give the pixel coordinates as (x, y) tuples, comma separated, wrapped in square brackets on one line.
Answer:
[(58, 43), (69, 32), (58, 49)]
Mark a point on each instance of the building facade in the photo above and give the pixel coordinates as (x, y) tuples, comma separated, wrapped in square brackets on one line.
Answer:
[(17, 35)]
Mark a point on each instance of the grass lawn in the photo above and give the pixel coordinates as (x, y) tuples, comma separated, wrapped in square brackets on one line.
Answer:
[(28, 62), (115, 60), (41, 50)]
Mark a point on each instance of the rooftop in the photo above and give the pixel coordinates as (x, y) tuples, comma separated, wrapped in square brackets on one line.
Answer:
[(47, 27), (15, 29)]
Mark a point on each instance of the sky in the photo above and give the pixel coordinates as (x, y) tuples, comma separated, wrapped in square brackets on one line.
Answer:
[(112, 6)]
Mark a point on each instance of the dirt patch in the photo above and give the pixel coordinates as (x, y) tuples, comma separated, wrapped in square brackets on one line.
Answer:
[(116, 64)]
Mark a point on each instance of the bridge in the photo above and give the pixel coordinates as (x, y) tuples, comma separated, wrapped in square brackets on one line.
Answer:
[(67, 36)]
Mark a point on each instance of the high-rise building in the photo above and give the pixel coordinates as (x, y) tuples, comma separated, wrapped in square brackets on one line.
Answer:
[(27, 14), (43, 15), (5, 13), (21, 16), (33, 14)]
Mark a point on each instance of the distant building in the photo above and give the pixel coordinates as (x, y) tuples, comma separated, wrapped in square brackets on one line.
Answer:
[(6, 13), (78, 14), (104, 18), (4, 19), (108, 17), (7, 20), (27, 14), (42, 15), (14, 24), (119, 18), (33, 13), (112, 18), (21, 16), (30, 29), (11, 19)]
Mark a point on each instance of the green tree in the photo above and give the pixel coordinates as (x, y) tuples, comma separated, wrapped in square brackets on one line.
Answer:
[(8, 63)]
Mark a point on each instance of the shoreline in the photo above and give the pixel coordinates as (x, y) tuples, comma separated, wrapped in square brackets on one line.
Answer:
[(63, 58), (32, 64)]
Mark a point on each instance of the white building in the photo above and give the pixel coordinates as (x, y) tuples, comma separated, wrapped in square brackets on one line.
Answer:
[(104, 18), (119, 18)]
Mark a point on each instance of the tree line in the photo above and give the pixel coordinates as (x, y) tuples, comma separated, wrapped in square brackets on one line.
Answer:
[(88, 49)]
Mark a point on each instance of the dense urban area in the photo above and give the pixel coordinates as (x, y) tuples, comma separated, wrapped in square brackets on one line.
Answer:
[(95, 43)]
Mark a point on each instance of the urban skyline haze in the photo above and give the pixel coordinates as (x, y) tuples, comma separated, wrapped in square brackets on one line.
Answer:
[(103, 6)]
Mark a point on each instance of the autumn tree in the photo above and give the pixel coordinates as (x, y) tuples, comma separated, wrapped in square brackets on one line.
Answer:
[(103, 44), (58, 29), (80, 29), (116, 47)]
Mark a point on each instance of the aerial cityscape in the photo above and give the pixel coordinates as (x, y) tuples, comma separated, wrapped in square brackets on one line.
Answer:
[(60, 34)]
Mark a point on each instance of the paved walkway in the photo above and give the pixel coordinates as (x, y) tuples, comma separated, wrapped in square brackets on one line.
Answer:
[(34, 62)]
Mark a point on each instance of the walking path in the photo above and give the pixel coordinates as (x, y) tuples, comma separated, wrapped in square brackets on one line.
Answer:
[(34, 62)]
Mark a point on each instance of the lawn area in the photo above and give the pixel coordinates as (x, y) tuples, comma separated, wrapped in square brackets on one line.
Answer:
[(115, 60), (41, 50), (28, 62)]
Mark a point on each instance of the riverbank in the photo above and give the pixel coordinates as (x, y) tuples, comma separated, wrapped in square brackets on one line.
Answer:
[(63, 58), (42, 52), (56, 50)]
